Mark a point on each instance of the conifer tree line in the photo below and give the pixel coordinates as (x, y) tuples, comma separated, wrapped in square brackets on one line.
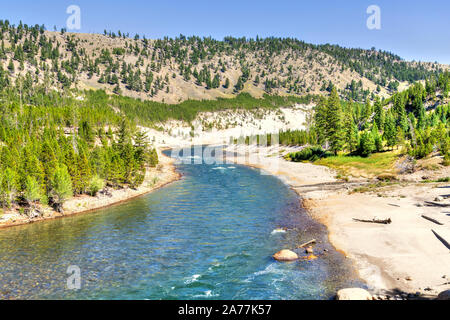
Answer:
[(54, 147), (150, 113), (416, 120)]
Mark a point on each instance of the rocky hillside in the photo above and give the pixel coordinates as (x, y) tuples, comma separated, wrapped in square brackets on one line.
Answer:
[(174, 70)]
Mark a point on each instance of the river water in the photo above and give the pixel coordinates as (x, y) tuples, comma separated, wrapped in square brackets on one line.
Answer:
[(209, 235)]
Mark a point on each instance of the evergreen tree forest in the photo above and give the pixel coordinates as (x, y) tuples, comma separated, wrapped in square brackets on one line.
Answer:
[(54, 146), (416, 120)]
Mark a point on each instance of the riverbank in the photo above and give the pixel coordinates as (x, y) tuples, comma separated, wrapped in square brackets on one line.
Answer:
[(155, 178), (404, 257)]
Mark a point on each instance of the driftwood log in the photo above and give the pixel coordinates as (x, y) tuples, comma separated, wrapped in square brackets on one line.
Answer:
[(432, 220), (307, 243), (436, 204), (444, 242), (386, 221)]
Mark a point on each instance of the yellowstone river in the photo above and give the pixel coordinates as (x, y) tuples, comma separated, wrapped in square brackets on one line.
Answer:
[(210, 235)]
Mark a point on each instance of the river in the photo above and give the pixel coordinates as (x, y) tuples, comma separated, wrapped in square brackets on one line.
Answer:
[(209, 235)]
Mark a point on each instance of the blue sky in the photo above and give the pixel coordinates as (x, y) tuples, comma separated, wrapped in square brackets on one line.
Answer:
[(418, 30)]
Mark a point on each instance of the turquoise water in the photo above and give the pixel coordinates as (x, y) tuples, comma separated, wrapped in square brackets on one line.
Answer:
[(208, 236)]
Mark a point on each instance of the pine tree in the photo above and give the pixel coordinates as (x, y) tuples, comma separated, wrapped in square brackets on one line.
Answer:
[(377, 138), (153, 158), (70, 161), (402, 120), (320, 120), (400, 137), (4, 79), (31, 166), (116, 175), (140, 149), (351, 132), (129, 164), (32, 191), (390, 131), (379, 113), (239, 85), (366, 144), (117, 90), (334, 122), (8, 187), (11, 67), (61, 187), (84, 172), (85, 132), (216, 82), (420, 113), (123, 135)]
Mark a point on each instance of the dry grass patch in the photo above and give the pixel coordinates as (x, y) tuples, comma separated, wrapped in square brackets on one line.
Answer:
[(377, 165)]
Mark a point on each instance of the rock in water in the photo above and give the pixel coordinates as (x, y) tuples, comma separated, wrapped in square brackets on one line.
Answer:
[(285, 255), (309, 250), (279, 230), (311, 257), (353, 294), (444, 295)]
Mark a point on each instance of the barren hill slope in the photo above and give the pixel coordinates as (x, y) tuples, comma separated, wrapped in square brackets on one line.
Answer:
[(174, 70)]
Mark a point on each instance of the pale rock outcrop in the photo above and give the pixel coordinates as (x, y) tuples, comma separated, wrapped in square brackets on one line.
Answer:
[(353, 294), (285, 255)]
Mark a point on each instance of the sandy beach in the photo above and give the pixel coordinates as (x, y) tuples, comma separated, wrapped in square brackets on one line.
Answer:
[(402, 257), (156, 178)]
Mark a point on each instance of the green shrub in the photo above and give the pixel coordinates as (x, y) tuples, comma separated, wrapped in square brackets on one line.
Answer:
[(421, 150), (95, 185), (308, 154), (446, 160)]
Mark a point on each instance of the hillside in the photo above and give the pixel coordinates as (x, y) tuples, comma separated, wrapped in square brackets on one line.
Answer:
[(175, 70)]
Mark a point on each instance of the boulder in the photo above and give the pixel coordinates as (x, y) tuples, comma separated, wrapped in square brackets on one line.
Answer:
[(444, 295), (353, 294), (285, 255)]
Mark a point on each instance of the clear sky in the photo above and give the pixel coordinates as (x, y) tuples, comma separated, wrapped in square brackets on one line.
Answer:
[(415, 30)]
